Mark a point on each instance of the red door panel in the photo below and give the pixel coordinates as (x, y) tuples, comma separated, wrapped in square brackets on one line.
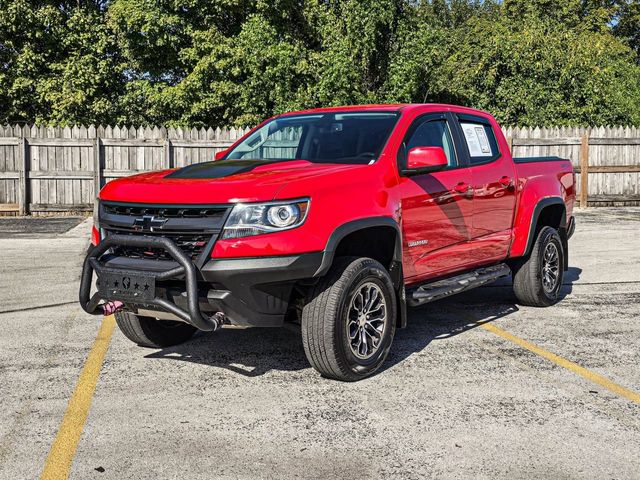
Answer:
[(436, 218), (494, 198)]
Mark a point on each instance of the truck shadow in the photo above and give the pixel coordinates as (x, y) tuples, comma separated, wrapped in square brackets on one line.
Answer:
[(571, 276), (447, 318), (459, 314), (255, 351), (250, 352)]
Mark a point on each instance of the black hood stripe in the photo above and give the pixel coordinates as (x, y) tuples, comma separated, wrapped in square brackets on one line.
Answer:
[(219, 169)]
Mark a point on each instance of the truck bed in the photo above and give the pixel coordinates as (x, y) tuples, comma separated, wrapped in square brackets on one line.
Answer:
[(537, 159)]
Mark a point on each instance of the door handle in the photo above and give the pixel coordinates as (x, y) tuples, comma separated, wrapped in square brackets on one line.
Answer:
[(462, 187), (506, 181)]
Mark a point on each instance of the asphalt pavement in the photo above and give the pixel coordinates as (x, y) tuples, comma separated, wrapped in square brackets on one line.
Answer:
[(456, 399)]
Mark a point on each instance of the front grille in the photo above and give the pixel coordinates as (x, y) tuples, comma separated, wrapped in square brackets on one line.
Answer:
[(191, 227), (191, 244), (165, 211)]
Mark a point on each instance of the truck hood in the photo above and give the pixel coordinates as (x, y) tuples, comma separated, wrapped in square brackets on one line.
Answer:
[(222, 181)]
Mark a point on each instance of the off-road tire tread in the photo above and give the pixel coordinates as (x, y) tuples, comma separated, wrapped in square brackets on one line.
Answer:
[(527, 284), (152, 333), (318, 325)]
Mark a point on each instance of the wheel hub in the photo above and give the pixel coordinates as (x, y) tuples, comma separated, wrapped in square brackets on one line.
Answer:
[(550, 268), (366, 320)]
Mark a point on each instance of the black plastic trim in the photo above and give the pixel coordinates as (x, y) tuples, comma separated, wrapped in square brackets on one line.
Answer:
[(571, 228), (256, 291), (259, 270), (361, 224), (545, 202), (117, 224), (139, 264), (395, 270), (469, 117), (166, 205), (538, 159)]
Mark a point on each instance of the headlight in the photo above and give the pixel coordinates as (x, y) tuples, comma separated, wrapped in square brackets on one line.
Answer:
[(248, 219)]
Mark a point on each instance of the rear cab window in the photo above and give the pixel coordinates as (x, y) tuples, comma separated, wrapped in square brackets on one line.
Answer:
[(479, 139)]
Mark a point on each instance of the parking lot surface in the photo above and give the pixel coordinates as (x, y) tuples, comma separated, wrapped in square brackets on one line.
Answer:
[(456, 399)]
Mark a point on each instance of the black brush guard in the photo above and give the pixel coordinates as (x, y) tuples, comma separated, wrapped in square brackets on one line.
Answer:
[(91, 304)]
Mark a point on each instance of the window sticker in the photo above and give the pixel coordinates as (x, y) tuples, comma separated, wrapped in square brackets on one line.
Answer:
[(477, 140)]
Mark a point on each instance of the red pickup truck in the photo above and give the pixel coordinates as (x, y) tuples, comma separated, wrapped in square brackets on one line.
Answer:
[(334, 218)]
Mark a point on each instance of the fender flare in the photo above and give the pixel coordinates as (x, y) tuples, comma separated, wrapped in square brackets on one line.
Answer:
[(353, 226), (562, 229), (541, 205), (395, 269)]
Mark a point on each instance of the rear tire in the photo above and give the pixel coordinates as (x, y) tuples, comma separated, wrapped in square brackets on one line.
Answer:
[(537, 280), (153, 333), (349, 320)]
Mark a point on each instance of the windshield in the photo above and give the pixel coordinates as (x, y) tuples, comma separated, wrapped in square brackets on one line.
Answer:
[(336, 137)]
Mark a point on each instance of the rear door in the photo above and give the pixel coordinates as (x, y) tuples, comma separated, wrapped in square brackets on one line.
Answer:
[(494, 193), (436, 207)]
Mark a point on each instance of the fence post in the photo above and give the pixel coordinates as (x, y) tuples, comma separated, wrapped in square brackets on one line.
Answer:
[(23, 182), (584, 170), (168, 152), (97, 165)]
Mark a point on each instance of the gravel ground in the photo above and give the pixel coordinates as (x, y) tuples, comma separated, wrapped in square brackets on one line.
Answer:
[(453, 401)]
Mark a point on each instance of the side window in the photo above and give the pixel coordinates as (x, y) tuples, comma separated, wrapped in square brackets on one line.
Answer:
[(481, 142), (433, 133)]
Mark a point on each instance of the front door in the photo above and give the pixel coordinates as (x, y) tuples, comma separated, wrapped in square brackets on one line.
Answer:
[(494, 192), (436, 207)]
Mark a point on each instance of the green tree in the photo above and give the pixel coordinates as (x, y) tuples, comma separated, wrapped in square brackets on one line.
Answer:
[(86, 78), (235, 62), (210, 63), (532, 70), (57, 62), (628, 24)]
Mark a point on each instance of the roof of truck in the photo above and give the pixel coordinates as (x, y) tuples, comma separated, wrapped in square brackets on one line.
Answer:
[(385, 107)]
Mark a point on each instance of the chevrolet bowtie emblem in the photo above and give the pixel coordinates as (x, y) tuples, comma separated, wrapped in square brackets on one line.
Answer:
[(148, 222)]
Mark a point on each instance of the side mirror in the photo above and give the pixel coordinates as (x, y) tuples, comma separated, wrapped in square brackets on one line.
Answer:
[(425, 160), (221, 154)]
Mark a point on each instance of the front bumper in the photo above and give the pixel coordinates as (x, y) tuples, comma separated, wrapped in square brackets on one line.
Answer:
[(256, 291), (248, 291)]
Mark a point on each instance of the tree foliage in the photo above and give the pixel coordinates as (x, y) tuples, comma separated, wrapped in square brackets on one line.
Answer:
[(224, 62)]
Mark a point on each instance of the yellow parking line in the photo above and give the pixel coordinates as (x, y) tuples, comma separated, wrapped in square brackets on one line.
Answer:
[(574, 367), (64, 446)]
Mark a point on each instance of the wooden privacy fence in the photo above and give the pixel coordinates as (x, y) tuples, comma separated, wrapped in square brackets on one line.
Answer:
[(45, 169), (53, 169), (606, 159)]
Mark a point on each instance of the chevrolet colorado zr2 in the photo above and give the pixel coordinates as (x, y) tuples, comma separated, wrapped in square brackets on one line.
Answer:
[(334, 218)]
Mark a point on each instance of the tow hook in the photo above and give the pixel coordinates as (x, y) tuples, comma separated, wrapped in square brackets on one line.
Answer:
[(109, 308), (218, 319)]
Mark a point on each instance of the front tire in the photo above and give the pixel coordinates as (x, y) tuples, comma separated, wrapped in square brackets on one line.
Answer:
[(349, 320), (538, 279), (153, 333)]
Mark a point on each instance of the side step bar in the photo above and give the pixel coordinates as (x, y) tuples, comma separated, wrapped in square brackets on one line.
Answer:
[(450, 286)]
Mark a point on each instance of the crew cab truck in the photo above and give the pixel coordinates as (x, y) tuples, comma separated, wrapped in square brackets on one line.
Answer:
[(335, 218)]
